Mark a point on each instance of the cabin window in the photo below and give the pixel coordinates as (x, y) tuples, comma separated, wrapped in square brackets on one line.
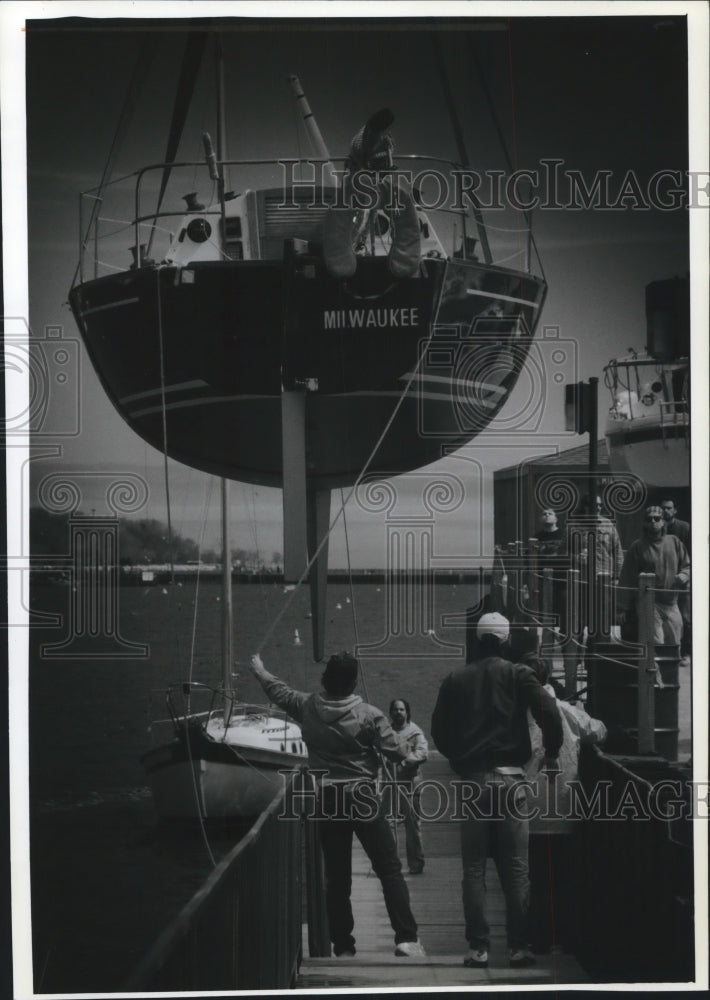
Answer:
[(199, 230), (235, 250), (233, 228)]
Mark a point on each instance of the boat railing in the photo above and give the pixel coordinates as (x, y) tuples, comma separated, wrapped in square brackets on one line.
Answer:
[(109, 212), (642, 387), (184, 712), (243, 929)]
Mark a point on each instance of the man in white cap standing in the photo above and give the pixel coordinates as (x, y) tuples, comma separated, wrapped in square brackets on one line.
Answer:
[(480, 724)]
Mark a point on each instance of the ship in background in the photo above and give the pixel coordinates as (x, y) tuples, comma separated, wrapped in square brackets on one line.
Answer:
[(648, 424)]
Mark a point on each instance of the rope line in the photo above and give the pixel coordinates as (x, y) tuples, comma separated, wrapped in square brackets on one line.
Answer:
[(352, 594)]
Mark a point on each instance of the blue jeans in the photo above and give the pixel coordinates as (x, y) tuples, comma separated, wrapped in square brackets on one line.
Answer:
[(336, 837), (505, 836)]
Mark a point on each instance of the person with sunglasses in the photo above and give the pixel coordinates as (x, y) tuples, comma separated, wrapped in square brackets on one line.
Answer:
[(667, 558)]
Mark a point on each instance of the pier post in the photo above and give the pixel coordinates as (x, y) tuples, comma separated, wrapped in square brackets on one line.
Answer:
[(647, 666), (573, 632)]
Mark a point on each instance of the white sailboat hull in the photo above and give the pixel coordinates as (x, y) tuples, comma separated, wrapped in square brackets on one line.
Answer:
[(207, 773)]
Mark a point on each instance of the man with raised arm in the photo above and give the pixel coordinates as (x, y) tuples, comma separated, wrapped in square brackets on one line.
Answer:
[(345, 738)]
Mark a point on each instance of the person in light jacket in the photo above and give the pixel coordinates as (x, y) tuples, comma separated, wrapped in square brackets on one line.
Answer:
[(345, 738), (406, 777), (553, 847)]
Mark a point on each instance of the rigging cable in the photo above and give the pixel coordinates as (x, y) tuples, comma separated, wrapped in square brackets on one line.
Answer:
[(163, 408), (352, 593), (491, 107), (141, 69)]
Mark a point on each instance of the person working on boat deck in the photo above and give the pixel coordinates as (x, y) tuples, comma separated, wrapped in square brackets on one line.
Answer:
[(405, 777), (667, 558), (371, 154), (480, 725), (345, 737)]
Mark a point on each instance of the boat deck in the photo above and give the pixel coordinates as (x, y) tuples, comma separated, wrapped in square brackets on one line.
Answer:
[(436, 902)]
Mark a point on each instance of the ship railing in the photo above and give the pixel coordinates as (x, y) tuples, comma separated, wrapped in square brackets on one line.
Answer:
[(242, 930), (667, 390), (107, 213), (674, 413)]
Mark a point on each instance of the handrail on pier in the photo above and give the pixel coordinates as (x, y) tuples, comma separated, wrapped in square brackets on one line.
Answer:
[(242, 929)]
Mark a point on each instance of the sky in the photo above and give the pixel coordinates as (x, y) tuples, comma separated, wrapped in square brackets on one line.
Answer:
[(596, 93)]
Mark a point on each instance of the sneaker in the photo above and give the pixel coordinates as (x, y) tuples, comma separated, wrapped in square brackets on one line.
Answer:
[(477, 958), (346, 953), (409, 949), (520, 958)]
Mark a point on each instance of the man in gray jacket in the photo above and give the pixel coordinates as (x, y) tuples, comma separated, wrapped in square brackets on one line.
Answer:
[(345, 737)]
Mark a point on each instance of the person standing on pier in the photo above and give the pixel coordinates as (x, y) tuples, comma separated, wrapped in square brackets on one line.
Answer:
[(345, 738), (480, 725), (405, 798), (681, 529), (553, 850), (667, 558)]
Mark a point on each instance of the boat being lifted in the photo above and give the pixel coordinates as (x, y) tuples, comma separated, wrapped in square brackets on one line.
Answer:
[(280, 336)]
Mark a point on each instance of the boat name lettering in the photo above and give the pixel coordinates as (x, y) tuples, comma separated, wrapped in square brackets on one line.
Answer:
[(351, 319)]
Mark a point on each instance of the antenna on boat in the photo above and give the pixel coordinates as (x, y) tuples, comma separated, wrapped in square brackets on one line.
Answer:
[(314, 133)]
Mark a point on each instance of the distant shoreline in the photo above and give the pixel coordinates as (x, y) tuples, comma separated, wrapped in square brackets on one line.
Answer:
[(136, 576)]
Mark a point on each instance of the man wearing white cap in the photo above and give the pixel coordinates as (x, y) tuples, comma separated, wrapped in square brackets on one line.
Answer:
[(480, 724)]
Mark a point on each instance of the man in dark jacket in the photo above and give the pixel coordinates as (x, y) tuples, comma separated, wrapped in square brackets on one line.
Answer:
[(345, 737), (480, 724)]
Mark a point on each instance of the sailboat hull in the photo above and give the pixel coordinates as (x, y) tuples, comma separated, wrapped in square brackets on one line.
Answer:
[(185, 787), (195, 359), (201, 775)]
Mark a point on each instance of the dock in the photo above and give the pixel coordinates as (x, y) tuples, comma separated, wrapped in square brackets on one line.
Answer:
[(438, 909)]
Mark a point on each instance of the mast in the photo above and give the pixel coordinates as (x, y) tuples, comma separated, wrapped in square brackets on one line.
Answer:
[(227, 609), (226, 600), (314, 133)]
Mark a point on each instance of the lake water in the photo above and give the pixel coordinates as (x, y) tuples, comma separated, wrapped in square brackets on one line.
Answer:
[(106, 877)]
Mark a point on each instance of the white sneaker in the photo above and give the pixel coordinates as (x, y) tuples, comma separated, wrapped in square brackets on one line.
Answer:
[(477, 958), (520, 958), (410, 949)]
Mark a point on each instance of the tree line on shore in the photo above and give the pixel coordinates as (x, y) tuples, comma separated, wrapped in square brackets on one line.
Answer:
[(141, 541)]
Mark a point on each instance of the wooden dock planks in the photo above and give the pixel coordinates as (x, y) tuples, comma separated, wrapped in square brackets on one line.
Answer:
[(437, 906)]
